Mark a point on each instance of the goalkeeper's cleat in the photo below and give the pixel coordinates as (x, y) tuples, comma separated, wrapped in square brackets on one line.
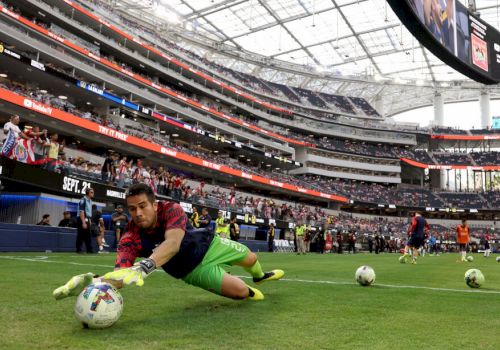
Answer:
[(74, 286), (254, 294), (269, 276)]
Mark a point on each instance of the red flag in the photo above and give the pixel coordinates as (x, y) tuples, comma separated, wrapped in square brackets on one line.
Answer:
[(23, 151)]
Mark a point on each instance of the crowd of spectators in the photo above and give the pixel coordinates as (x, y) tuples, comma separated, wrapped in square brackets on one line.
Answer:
[(486, 158), (153, 136), (448, 130), (463, 200), (452, 158), (374, 192)]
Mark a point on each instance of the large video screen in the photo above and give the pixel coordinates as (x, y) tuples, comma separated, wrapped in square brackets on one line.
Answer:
[(456, 36)]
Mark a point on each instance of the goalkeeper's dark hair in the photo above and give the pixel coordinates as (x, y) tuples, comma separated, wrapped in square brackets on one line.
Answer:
[(138, 189)]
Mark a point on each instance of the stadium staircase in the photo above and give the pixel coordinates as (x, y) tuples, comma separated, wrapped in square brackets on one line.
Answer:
[(432, 157), (472, 161), (486, 201)]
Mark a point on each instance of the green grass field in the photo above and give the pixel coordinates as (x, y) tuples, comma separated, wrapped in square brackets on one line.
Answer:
[(317, 306)]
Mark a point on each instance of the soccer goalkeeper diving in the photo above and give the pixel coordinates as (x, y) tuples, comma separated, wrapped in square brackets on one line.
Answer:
[(158, 233)]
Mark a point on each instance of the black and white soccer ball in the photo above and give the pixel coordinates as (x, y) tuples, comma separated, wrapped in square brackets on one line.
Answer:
[(365, 275)]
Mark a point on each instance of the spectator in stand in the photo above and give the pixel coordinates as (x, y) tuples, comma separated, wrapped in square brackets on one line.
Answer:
[(119, 221), (37, 142), (12, 133), (67, 220), (162, 182), (53, 148), (107, 168), (122, 171), (45, 220), (177, 192)]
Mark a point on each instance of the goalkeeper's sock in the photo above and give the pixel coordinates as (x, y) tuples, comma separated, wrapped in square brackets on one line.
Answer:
[(255, 270)]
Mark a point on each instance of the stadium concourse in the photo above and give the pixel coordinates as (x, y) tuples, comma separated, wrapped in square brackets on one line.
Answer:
[(292, 144)]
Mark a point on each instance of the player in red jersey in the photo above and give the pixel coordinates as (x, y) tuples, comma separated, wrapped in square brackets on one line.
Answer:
[(416, 233), (160, 233)]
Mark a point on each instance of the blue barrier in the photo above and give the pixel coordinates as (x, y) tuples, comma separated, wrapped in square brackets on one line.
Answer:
[(32, 238)]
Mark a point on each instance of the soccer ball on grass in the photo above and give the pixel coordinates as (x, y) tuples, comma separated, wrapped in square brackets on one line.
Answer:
[(470, 258), (99, 305), (365, 275), (474, 278)]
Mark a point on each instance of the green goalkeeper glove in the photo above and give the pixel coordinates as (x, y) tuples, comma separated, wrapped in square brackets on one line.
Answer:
[(74, 286), (134, 274)]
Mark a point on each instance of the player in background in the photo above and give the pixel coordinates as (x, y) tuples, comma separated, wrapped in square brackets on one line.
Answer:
[(487, 248), (159, 233), (416, 233), (463, 239)]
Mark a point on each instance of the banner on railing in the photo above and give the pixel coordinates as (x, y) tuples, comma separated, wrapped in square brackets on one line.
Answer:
[(451, 167)]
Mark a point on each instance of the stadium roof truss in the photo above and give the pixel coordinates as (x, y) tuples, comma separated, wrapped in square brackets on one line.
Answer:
[(350, 47)]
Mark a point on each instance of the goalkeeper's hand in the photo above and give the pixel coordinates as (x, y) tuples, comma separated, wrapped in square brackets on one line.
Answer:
[(74, 286), (134, 274)]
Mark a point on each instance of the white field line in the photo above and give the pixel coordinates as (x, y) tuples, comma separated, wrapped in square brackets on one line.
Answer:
[(44, 259)]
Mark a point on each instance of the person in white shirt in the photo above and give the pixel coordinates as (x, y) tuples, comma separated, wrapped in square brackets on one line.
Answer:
[(11, 133)]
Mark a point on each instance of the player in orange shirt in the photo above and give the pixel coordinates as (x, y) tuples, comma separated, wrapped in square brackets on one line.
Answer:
[(463, 238)]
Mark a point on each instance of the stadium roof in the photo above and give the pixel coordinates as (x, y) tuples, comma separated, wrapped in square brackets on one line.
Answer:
[(351, 47)]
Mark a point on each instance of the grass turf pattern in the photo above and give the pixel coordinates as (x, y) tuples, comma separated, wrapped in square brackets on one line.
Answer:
[(317, 306)]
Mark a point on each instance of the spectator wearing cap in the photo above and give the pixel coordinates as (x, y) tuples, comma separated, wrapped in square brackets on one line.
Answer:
[(67, 220), (119, 221)]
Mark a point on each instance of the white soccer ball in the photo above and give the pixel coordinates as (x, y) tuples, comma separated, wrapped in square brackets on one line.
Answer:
[(99, 305), (365, 275), (470, 258), (498, 259), (402, 259), (474, 278)]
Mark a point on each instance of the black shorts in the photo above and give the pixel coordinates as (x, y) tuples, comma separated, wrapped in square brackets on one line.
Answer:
[(462, 246), (486, 245), (94, 230), (416, 241)]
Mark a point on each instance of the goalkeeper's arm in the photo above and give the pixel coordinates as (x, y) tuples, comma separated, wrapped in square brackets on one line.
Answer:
[(161, 255)]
